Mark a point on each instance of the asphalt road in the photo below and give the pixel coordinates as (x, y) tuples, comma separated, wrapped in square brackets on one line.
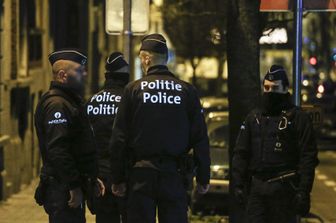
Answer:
[(324, 191)]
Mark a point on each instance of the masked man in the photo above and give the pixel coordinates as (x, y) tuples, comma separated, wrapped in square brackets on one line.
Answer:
[(275, 156)]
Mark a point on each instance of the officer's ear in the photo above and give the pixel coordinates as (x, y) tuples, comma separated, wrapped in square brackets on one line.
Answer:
[(62, 75), (147, 60)]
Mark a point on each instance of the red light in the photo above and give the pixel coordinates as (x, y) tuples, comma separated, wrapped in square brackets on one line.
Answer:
[(313, 61)]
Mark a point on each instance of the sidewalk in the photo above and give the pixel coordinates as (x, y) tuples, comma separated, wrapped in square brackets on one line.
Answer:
[(21, 208)]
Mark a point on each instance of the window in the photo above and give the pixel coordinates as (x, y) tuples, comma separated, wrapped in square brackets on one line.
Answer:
[(31, 32), (20, 107)]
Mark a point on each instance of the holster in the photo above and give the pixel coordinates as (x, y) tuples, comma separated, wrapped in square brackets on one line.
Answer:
[(186, 167), (40, 192)]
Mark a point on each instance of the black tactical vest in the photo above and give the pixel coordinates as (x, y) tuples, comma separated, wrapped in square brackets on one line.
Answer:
[(273, 142)]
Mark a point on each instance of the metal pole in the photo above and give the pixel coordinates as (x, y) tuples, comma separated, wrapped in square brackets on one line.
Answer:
[(127, 29), (297, 54)]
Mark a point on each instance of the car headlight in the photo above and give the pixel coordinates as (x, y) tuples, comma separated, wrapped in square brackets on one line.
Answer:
[(328, 122), (219, 172)]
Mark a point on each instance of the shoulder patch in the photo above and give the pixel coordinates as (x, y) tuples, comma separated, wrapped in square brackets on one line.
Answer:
[(58, 119), (57, 114)]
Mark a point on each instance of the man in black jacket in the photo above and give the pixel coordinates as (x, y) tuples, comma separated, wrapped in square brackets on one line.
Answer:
[(159, 120), (275, 156), (65, 140), (102, 109)]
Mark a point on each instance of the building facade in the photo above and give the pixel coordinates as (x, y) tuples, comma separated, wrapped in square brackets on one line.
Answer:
[(29, 31), (24, 45)]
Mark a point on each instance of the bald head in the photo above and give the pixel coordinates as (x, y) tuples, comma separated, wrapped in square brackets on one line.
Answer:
[(61, 67), (149, 59)]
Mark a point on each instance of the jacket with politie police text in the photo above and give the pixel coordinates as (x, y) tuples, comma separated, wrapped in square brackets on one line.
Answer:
[(102, 109), (159, 116)]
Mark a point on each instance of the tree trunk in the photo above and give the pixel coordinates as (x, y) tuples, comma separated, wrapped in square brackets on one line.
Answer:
[(194, 65), (243, 73), (219, 82)]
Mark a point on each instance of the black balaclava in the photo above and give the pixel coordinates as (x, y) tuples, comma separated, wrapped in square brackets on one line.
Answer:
[(274, 103)]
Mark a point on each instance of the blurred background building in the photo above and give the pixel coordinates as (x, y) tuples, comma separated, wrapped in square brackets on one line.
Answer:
[(29, 31)]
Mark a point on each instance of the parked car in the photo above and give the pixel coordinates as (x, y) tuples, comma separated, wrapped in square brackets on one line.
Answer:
[(218, 193), (212, 104), (326, 100), (326, 133)]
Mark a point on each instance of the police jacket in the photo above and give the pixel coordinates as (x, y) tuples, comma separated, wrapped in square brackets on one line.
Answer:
[(160, 116), (271, 145), (65, 138), (102, 109)]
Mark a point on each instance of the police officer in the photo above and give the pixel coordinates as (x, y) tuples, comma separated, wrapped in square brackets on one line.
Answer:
[(65, 140), (275, 156), (102, 109), (158, 122)]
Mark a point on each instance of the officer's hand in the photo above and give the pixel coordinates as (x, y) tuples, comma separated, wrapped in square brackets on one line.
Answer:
[(119, 190), (302, 203), (76, 197), (239, 195), (100, 188), (202, 189)]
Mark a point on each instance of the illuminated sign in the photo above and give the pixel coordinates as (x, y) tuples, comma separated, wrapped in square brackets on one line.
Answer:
[(276, 36), (114, 21), (287, 5)]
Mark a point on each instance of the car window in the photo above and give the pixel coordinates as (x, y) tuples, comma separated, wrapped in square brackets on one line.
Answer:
[(218, 135)]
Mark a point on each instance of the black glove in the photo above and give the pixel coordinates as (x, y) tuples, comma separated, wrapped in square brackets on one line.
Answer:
[(239, 195), (302, 203), (40, 193)]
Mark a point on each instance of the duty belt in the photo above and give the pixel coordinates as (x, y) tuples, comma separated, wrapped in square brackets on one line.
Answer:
[(283, 177), (158, 162), (50, 180)]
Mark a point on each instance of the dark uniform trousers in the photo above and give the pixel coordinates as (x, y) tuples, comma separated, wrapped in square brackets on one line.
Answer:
[(109, 208), (270, 202), (150, 188), (56, 204)]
